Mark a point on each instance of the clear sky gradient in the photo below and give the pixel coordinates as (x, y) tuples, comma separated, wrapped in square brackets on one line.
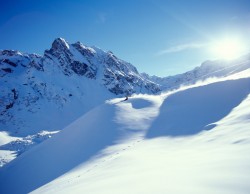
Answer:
[(159, 37)]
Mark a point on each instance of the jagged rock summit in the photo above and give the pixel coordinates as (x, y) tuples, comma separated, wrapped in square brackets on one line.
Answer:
[(118, 76)]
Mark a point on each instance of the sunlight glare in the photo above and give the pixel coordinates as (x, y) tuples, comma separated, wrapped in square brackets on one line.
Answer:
[(228, 48)]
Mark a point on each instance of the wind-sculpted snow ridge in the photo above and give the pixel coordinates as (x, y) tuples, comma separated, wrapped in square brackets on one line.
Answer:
[(197, 137)]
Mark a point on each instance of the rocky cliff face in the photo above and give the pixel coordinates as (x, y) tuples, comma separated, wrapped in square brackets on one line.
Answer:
[(64, 55)]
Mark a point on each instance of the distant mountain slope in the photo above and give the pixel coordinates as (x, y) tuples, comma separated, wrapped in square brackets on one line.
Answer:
[(207, 69), (191, 140)]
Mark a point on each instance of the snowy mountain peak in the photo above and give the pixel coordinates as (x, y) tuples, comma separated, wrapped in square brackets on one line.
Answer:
[(9, 52), (84, 50), (60, 44)]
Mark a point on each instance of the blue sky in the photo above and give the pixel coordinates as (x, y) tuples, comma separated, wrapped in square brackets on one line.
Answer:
[(159, 37)]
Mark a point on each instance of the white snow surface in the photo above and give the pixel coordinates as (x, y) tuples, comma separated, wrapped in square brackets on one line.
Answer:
[(192, 140)]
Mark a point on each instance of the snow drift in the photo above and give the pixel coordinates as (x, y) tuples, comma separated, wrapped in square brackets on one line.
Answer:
[(199, 108)]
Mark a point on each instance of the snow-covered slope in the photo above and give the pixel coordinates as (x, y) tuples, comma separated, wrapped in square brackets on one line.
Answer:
[(193, 140), (208, 69)]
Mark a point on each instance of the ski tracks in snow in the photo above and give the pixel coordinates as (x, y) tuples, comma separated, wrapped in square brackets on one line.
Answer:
[(100, 162)]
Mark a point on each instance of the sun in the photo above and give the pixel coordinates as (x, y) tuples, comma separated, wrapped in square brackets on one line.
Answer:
[(228, 48)]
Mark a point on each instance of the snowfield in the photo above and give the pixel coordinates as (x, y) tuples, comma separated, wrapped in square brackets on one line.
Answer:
[(192, 140)]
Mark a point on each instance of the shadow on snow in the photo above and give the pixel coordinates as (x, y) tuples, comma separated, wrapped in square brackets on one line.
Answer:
[(73, 146), (193, 110)]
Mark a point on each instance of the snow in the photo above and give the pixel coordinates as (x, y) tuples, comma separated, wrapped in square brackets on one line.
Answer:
[(48, 96), (52, 112), (5, 138), (6, 155), (199, 108), (192, 140), (11, 147)]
